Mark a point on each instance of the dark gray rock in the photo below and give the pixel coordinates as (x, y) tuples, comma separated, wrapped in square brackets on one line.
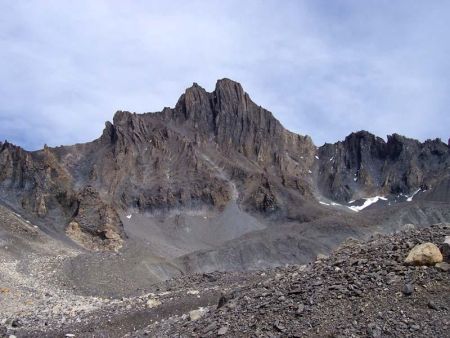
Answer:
[(16, 323), (373, 330), (408, 289), (432, 305)]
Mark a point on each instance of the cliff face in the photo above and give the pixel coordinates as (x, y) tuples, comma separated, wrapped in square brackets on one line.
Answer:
[(365, 165), (34, 181), (209, 149)]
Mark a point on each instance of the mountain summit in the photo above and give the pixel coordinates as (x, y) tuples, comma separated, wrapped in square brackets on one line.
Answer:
[(210, 150)]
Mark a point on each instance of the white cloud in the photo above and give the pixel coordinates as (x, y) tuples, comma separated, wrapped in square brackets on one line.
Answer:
[(324, 69)]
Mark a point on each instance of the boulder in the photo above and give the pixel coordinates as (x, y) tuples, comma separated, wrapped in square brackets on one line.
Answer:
[(408, 289), (424, 254), (152, 302), (197, 314)]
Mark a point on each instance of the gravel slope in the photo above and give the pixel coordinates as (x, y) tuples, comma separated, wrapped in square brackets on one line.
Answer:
[(359, 291)]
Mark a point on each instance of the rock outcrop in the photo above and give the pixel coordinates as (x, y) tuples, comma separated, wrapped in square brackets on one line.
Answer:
[(95, 225), (210, 149), (365, 165)]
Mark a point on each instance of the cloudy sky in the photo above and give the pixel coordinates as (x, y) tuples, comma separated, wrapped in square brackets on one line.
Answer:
[(324, 68)]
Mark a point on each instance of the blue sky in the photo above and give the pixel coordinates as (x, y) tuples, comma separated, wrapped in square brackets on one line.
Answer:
[(324, 68)]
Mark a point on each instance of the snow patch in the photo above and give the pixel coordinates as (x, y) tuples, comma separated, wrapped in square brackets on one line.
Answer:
[(332, 203), (129, 216), (317, 157), (368, 201), (410, 198)]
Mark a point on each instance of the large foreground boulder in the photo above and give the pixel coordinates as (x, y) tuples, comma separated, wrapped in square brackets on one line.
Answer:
[(424, 254)]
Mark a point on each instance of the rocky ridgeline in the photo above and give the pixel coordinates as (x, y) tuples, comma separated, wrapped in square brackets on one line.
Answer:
[(365, 165), (363, 289), (188, 157)]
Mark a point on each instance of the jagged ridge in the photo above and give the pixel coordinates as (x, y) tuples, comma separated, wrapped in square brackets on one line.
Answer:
[(157, 162)]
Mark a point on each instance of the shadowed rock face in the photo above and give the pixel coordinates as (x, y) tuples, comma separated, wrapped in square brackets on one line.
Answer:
[(210, 149), (365, 165)]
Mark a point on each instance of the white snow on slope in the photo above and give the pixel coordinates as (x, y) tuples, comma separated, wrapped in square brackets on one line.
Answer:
[(331, 203), (129, 216), (368, 201), (410, 198), (317, 157)]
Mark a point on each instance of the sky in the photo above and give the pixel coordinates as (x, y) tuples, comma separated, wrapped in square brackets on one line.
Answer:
[(323, 68)]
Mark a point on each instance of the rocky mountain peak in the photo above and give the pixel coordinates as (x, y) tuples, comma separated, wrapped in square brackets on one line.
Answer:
[(231, 91), (210, 149), (362, 135)]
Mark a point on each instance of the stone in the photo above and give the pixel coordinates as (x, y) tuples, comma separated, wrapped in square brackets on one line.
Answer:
[(222, 331), (446, 249), (424, 254), (408, 289), (222, 301), (209, 277), (373, 330), (153, 302), (415, 327), (279, 327), (432, 305), (321, 257), (16, 323), (407, 227), (210, 327), (197, 314), (443, 266)]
